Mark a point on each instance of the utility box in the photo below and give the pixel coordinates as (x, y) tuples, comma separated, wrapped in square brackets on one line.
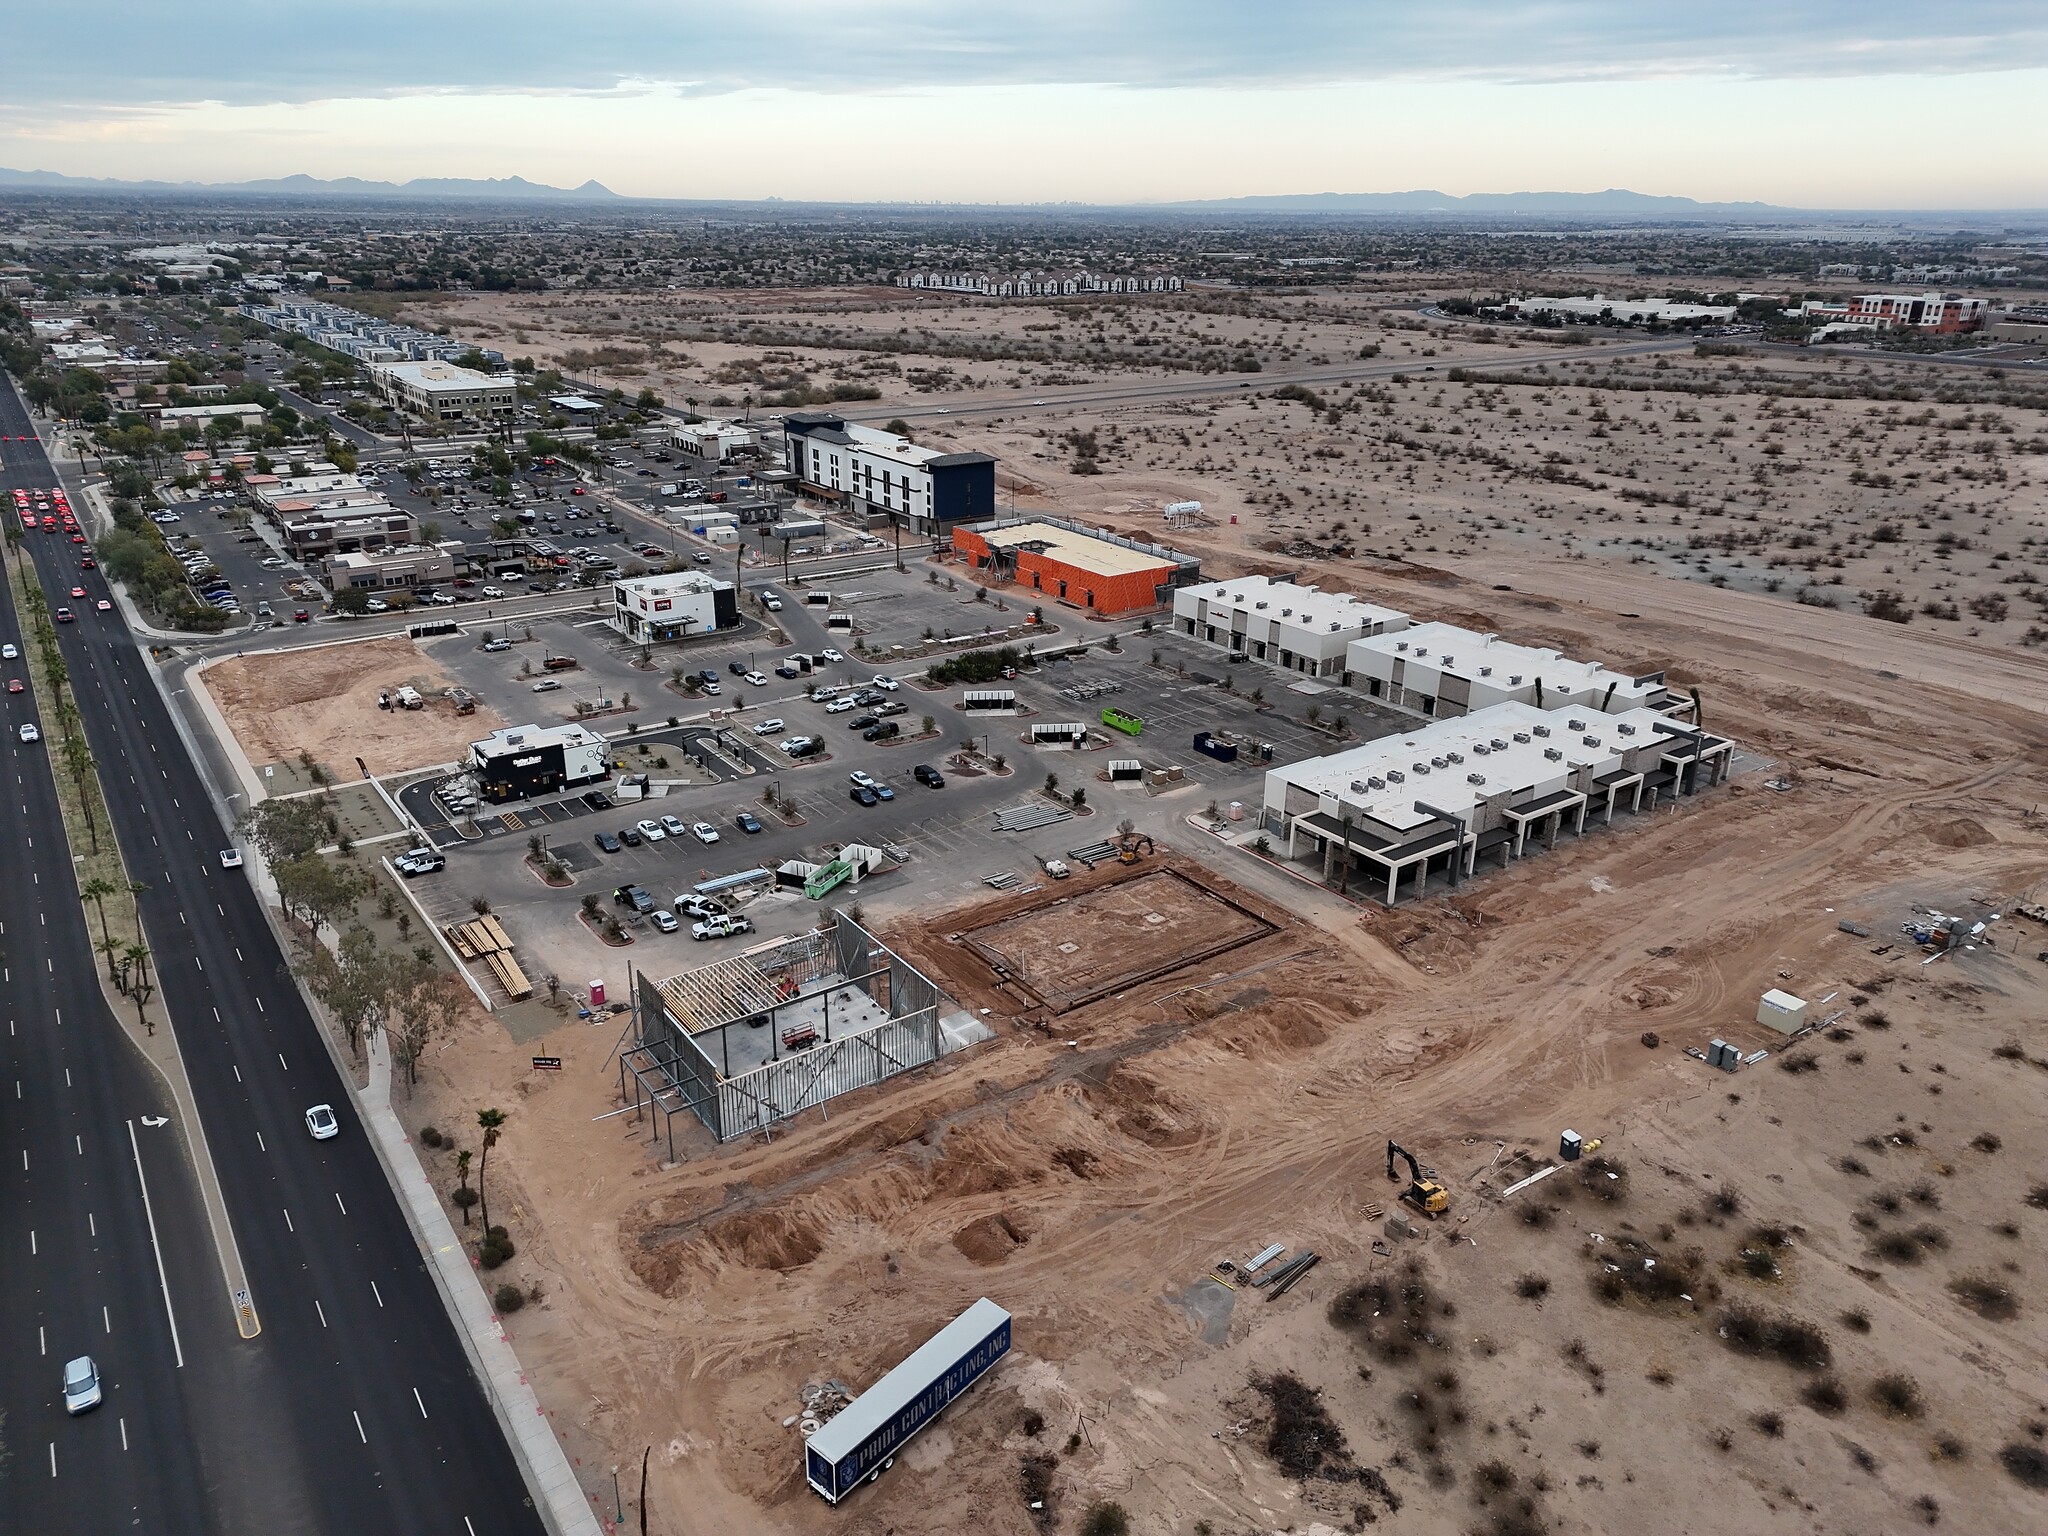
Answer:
[(1782, 1012), (1568, 1146), (1723, 1055)]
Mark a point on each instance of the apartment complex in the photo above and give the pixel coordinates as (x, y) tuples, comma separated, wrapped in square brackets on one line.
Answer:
[(355, 334), (1038, 285), (1502, 780), (1943, 314), (444, 392), (1087, 567), (878, 474), (1299, 628)]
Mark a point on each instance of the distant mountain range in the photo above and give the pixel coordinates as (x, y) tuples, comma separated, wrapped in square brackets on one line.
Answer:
[(1611, 203), (509, 188)]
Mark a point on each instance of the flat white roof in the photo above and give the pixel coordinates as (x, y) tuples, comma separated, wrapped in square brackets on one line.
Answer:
[(887, 445), (1286, 603), (666, 582), (436, 378), (1080, 550), (1505, 745), (1463, 652)]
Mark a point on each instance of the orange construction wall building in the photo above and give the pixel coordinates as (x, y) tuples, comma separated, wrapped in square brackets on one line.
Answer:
[(1066, 581)]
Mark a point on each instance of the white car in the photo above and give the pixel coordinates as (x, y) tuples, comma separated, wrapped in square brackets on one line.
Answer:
[(275, 562), (886, 684), (839, 706), (704, 832), (494, 592), (758, 679), (29, 731), (831, 655), (795, 743), (673, 826), (321, 1122), (651, 830), (231, 858), (767, 727), (860, 776), (81, 1385), (547, 685), (9, 653), (665, 921)]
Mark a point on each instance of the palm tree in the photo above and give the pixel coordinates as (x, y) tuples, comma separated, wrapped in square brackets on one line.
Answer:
[(97, 890), (137, 955), (136, 890), (489, 1121), (462, 1171)]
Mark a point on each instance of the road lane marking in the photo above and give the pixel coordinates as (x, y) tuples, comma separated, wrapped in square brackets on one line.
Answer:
[(42, 1341), (337, 1201), (31, 1242), (351, 1413), (259, 1143), (53, 1458), (236, 1070), (124, 1434), (421, 1401), (92, 1227), (288, 1222), (321, 1310), (106, 1319), (376, 1293), (282, 1062)]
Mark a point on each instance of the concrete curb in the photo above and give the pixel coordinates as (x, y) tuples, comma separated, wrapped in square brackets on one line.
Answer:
[(563, 1505)]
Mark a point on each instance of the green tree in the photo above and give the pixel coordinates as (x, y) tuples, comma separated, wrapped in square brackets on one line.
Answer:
[(490, 1122), (97, 890)]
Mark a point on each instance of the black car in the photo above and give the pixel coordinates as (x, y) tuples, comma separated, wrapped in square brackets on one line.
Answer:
[(736, 668), (635, 897), (860, 722), (747, 822), (925, 773), (629, 837), (860, 794), (598, 800), (606, 843), (707, 676), (881, 730)]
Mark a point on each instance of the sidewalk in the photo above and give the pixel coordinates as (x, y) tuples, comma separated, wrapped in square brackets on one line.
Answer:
[(559, 1497)]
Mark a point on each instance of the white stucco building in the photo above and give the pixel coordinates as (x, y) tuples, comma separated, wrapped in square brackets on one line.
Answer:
[(1442, 670), (1297, 628)]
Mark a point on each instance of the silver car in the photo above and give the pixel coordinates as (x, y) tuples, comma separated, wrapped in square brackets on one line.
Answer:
[(81, 1385)]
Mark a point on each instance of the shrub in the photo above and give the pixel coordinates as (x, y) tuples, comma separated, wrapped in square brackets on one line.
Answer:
[(429, 1136), (1898, 1395), (508, 1298), (463, 1196), (1303, 1440), (1106, 1519), (1532, 1287), (1824, 1396), (1990, 1299), (1785, 1338), (1033, 1422), (2027, 1463), (1770, 1424)]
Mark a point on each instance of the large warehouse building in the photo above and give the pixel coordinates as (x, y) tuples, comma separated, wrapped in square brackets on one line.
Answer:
[(1495, 781), (881, 474), (1090, 568)]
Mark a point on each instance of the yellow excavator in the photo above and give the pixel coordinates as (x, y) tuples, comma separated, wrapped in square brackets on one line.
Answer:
[(1425, 1191), (1127, 845)]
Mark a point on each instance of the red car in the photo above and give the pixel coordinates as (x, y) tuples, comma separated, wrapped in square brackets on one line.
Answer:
[(88, 564), (78, 591), (575, 490), (14, 685), (78, 538)]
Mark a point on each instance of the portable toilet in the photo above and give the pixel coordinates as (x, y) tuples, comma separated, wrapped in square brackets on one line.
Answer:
[(597, 992)]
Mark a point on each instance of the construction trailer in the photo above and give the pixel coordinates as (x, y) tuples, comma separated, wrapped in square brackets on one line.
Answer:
[(862, 1439)]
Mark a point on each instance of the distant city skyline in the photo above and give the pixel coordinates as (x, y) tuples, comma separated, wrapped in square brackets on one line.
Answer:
[(1806, 103)]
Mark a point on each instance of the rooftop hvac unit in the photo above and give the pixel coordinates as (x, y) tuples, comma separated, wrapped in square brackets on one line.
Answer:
[(1553, 754), (1436, 762), (1475, 778), (1450, 660), (1593, 742), (1421, 769), (1286, 613), (1626, 730), (1377, 782), (1540, 730), (1455, 757), (1396, 776), (1499, 745), (1260, 606), (1335, 625), (1481, 748), (1514, 679), (1577, 725), (1400, 645), (1522, 737), (1358, 786), (1486, 671)]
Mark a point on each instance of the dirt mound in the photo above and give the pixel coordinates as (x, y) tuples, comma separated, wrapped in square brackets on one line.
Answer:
[(1959, 832), (991, 1239), (1145, 1112)]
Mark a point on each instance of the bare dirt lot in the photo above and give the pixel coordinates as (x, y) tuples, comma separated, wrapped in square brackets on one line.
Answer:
[(323, 700), (1072, 949)]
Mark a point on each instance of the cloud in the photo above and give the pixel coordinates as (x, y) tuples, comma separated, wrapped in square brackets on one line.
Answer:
[(90, 54)]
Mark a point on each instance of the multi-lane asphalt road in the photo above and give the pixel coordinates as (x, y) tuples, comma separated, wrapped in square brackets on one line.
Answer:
[(355, 1407)]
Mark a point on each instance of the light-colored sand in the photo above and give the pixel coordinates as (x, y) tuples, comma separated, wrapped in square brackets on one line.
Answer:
[(323, 700)]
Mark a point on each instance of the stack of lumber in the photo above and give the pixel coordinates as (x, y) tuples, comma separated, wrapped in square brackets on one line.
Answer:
[(484, 938)]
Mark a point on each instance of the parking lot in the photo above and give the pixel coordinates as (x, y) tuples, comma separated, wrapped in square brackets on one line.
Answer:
[(949, 834)]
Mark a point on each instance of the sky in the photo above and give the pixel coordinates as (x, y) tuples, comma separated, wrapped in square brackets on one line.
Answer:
[(1807, 103)]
